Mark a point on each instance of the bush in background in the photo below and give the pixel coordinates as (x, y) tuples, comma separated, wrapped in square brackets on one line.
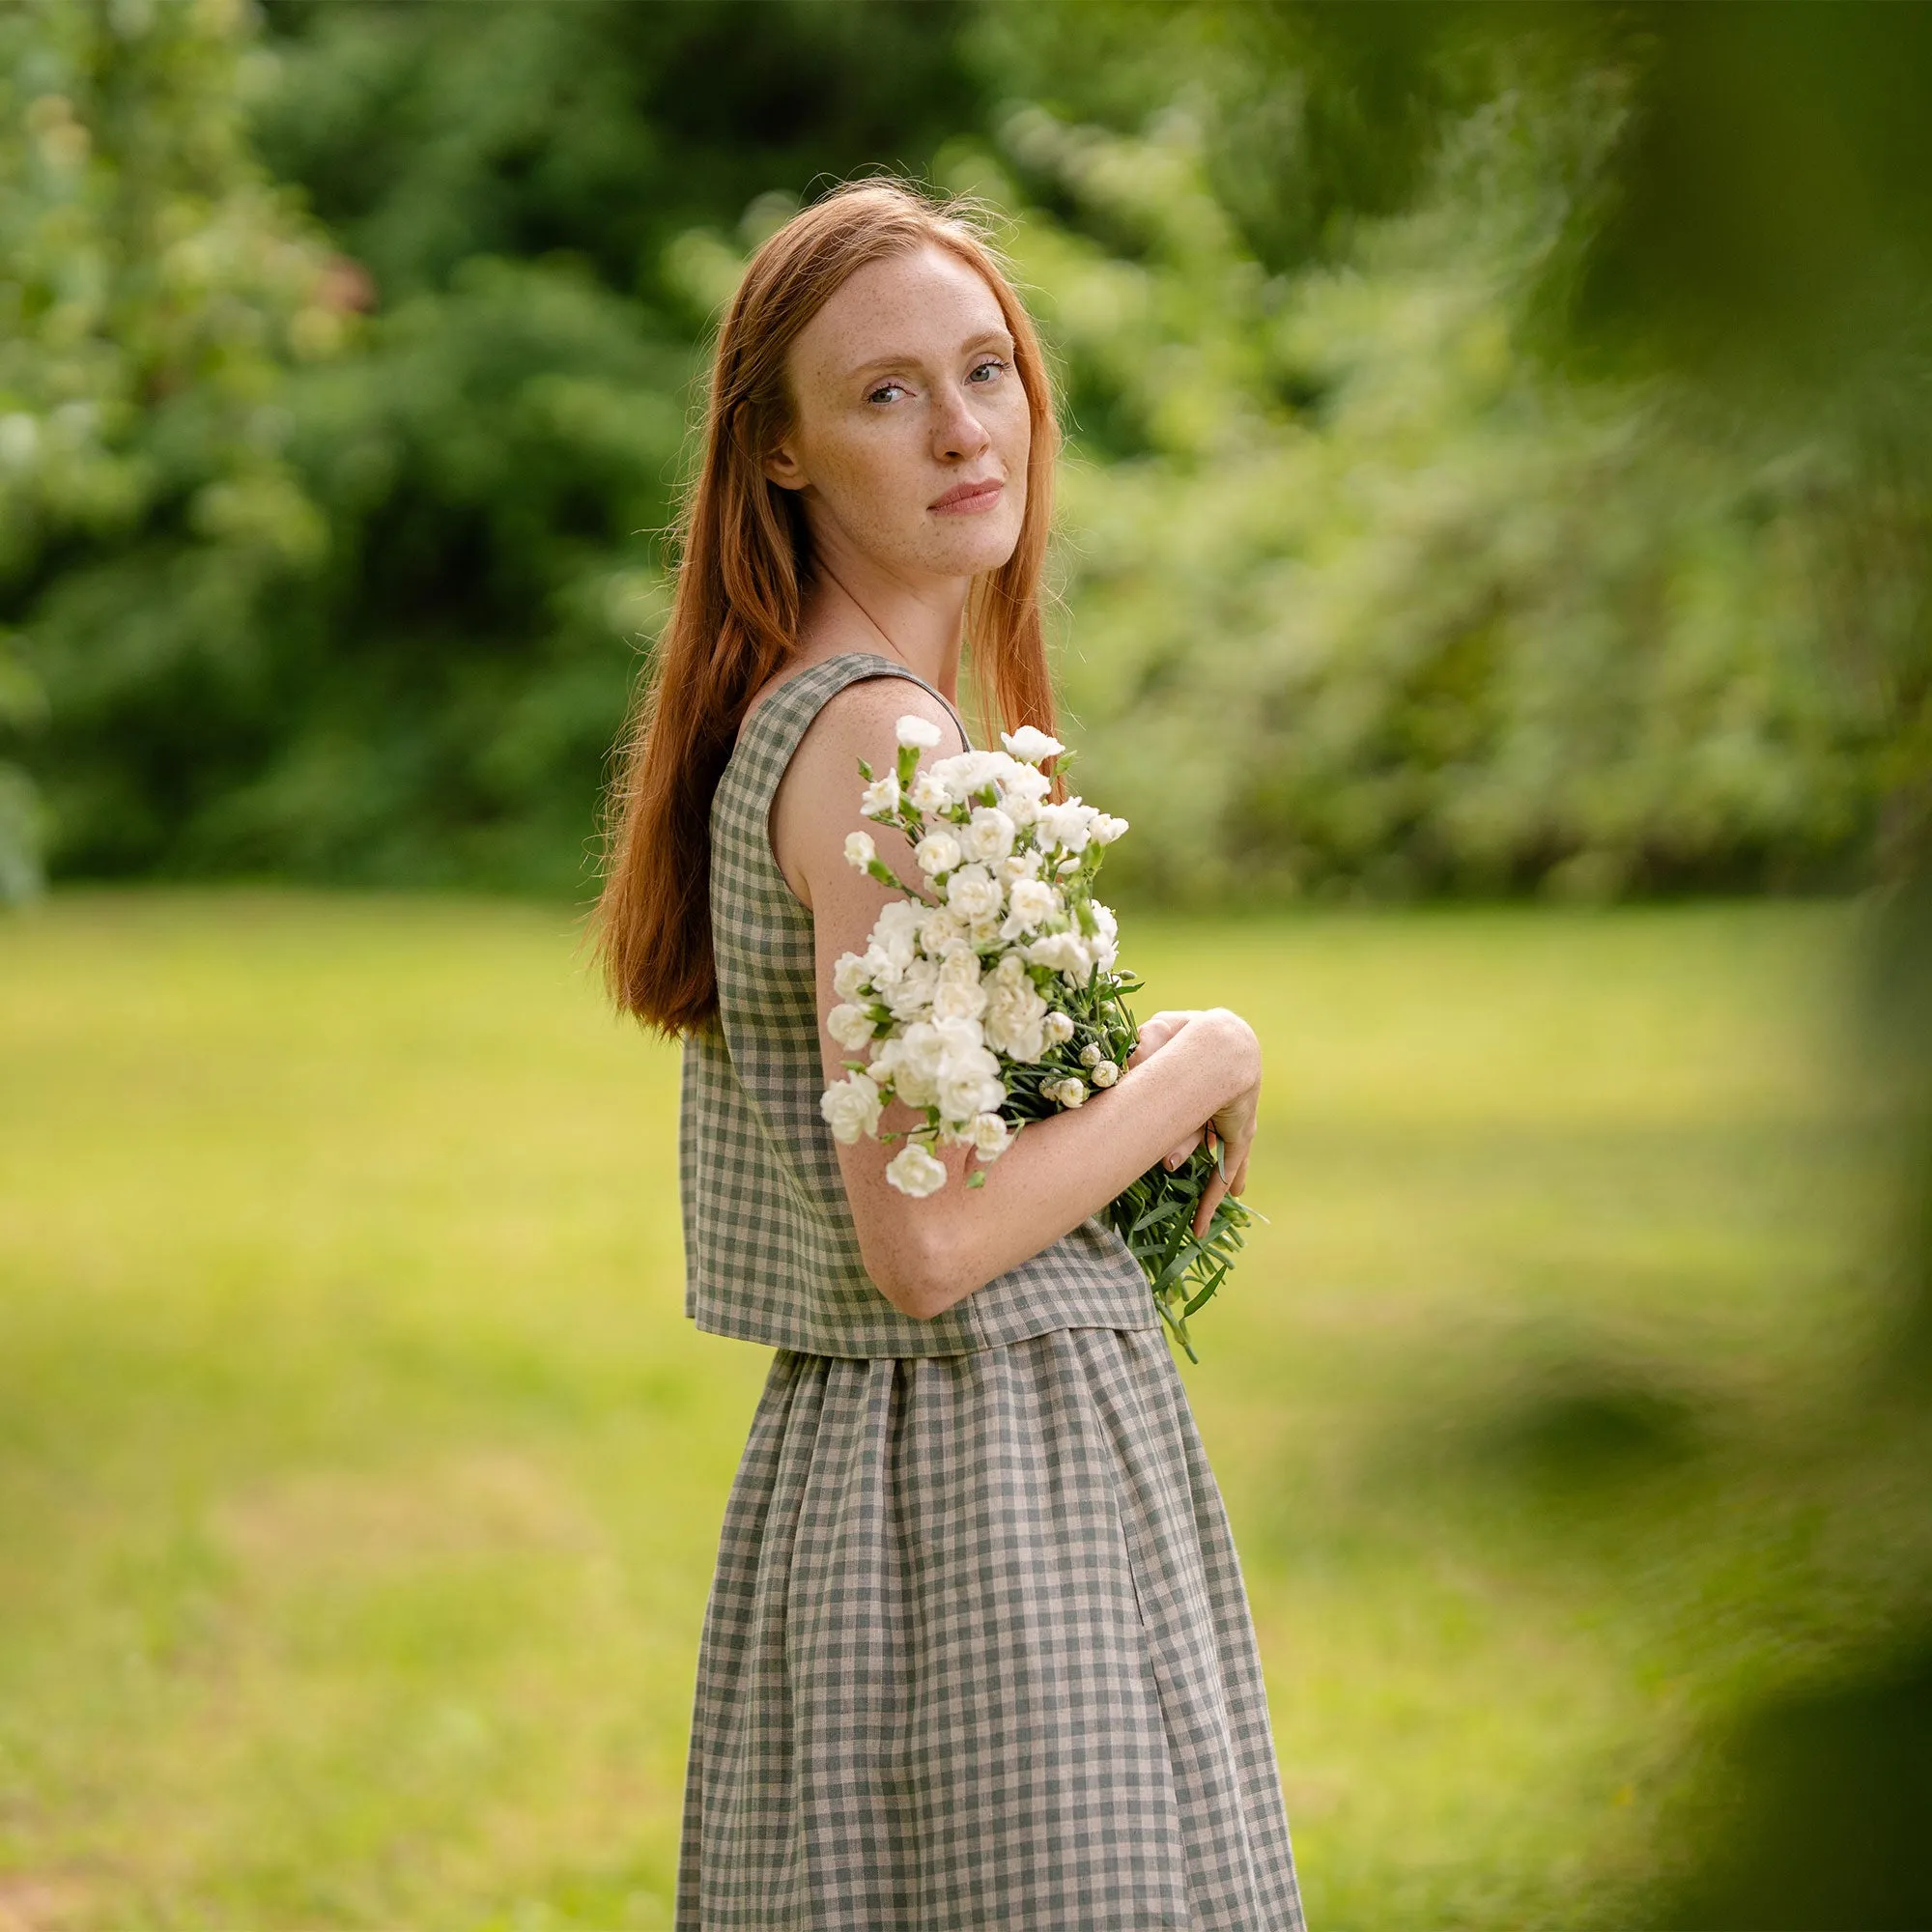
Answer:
[(156, 288), (410, 666), (335, 557), (1365, 597)]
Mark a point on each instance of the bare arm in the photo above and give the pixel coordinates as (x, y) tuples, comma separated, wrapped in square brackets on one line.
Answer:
[(1192, 1069)]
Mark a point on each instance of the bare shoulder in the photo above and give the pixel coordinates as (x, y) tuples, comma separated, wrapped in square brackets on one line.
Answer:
[(817, 799), (860, 720)]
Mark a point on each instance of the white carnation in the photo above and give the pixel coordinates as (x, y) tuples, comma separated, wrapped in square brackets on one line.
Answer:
[(882, 969), (860, 851), (1065, 825), (848, 976), (922, 1048), (936, 852), (914, 729), (915, 1087), (1105, 1073), (1105, 830), (957, 1037), (1019, 866), (914, 1170), (941, 933), (958, 1002), (1058, 1028), (1033, 901), (881, 798), (970, 1085), (917, 1062), (1069, 1093), (1089, 1053), (972, 892), (850, 1107), (1030, 744), (959, 994), (1064, 952), (910, 997), (991, 1136), (926, 793), (849, 1025), (1105, 942), (1021, 786), (966, 772), (896, 930), (989, 834), (1029, 1043), (1015, 1017)]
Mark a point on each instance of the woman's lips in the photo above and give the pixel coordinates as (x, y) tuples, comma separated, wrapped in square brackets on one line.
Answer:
[(965, 499)]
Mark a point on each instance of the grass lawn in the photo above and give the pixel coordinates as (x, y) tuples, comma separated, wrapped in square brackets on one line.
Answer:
[(360, 1476)]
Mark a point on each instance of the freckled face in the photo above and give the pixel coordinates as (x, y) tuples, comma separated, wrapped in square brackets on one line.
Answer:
[(911, 434)]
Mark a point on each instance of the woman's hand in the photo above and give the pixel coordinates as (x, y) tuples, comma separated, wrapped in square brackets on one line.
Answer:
[(1234, 1124), (1155, 1034)]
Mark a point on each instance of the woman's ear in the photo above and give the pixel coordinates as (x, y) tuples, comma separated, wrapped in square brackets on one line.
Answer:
[(782, 468)]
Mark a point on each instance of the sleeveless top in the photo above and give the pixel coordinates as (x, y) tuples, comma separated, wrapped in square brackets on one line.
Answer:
[(771, 1252)]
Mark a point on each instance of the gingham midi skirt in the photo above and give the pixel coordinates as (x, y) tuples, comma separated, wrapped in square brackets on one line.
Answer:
[(978, 1654)]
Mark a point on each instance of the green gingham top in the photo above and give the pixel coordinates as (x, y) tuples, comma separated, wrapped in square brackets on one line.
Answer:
[(771, 1252)]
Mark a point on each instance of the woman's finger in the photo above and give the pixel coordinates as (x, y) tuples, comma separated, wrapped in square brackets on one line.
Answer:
[(1211, 1199), (1182, 1152), (1155, 1033)]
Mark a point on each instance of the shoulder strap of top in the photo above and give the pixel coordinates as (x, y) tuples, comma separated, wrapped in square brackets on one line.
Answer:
[(765, 746)]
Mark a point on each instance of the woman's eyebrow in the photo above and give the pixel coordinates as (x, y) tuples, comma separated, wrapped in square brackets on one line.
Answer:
[(900, 358)]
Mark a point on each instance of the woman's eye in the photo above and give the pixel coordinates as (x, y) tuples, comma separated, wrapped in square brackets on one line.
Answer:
[(989, 368), (886, 391)]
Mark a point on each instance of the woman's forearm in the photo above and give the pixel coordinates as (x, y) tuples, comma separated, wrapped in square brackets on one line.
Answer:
[(925, 1254)]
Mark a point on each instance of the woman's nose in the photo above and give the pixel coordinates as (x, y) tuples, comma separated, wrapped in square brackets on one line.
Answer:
[(958, 431)]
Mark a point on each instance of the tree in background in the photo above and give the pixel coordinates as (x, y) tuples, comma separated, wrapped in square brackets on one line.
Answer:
[(158, 288), (1365, 597), (495, 462), (1389, 602)]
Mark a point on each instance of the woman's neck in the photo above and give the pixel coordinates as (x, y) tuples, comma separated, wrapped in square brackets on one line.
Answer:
[(852, 606)]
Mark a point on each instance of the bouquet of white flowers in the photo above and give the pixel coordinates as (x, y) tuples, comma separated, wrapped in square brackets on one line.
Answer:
[(989, 996)]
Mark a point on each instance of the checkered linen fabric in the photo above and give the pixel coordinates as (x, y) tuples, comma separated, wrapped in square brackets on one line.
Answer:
[(978, 1656), (771, 1252)]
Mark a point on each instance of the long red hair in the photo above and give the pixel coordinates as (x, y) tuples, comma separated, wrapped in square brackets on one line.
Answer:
[(744, 560)]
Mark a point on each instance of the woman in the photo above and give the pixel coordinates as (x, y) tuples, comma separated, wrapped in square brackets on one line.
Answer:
[(977, 1654)]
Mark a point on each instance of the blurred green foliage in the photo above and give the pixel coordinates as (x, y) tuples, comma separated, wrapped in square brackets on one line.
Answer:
[(155, 285), (1369, 586), (1368, 598), (1769, 244), (491, 465)]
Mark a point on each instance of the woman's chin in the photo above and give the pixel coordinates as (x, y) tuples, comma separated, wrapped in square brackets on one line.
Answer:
[(969, 553)]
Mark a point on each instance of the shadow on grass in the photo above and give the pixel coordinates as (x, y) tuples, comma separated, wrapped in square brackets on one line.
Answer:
[(1591, 1423)]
